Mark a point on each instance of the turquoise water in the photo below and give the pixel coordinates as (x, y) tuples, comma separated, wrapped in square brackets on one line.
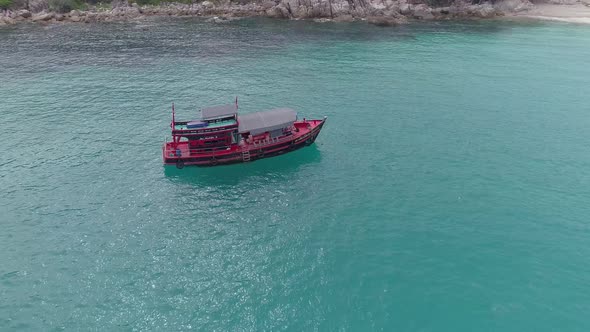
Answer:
[(448, 191)]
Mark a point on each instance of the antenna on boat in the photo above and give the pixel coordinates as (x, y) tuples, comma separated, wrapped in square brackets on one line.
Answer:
[(236, 102), (172, 125)]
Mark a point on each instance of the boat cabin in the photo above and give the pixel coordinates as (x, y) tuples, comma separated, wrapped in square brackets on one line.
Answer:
[(266, 126), (221, 129), (216, 130)]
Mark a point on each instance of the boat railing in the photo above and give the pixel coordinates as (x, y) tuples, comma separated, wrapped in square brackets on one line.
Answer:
[(212, 149), (193, 151), (254, 145), (270, 141)]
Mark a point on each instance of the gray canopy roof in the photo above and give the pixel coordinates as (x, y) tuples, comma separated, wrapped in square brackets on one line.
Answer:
[(218, 111), (259, 122)]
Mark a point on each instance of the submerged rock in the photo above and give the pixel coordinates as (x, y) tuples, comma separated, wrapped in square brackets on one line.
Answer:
[(384, 21), (344, 18)]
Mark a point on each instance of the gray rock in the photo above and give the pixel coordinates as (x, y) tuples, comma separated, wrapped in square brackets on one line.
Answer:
[(91, 17), (514, 6), (454, 10), (117, 11), (102, 16), (405, 9), (268, 5), (119, 3), (217, 19), (132, 12), (524, 7), (344, 18), (59, 17), (483, 11), (391, 3), (273, 12), (7, 20), (24, 13), (36, 6), (43, 17), (207, 4), (422, 12), (279, 11), (75, 19), (562, 2)]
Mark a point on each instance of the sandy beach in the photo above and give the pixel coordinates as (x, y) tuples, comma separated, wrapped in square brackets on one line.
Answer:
[(575, 13)]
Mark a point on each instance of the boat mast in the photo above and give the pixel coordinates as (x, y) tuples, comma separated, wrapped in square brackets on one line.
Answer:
[(175, 139), (172, 116)]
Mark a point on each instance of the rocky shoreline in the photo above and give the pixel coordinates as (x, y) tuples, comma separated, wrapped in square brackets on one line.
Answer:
[(377, 12)]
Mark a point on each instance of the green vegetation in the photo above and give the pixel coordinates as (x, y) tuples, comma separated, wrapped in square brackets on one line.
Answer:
[(148, 2), (159, 2), (5, 4), (64, 6), (442, 3), (103, 6)]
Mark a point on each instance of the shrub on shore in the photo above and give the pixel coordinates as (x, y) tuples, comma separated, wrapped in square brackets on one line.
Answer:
[(64, 6), (5, 4), (159, 2), (148, 2)]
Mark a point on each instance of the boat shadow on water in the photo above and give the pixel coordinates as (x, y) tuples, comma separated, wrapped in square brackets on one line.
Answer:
[(280, 166)]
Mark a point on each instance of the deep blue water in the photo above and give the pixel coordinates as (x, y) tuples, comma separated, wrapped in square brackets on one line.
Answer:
[(448, 191)]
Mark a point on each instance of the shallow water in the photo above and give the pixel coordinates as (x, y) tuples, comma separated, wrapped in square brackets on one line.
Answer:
[(448, 191)]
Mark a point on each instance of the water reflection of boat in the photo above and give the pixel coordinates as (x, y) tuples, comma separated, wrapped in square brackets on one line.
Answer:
[(285, 165)]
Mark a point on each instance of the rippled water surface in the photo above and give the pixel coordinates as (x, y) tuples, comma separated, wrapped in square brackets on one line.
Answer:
[(448, 191)]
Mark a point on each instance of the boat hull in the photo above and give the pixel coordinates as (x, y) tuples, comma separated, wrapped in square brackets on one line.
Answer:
[(254, 152)]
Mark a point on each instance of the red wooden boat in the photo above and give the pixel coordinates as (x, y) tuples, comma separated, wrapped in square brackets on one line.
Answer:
[(221, 136)]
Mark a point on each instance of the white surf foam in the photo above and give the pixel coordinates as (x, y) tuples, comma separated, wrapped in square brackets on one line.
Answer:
[(582, 20)]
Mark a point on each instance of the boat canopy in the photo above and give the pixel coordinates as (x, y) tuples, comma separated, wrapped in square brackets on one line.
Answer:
[(260, 122), (216, 112)]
